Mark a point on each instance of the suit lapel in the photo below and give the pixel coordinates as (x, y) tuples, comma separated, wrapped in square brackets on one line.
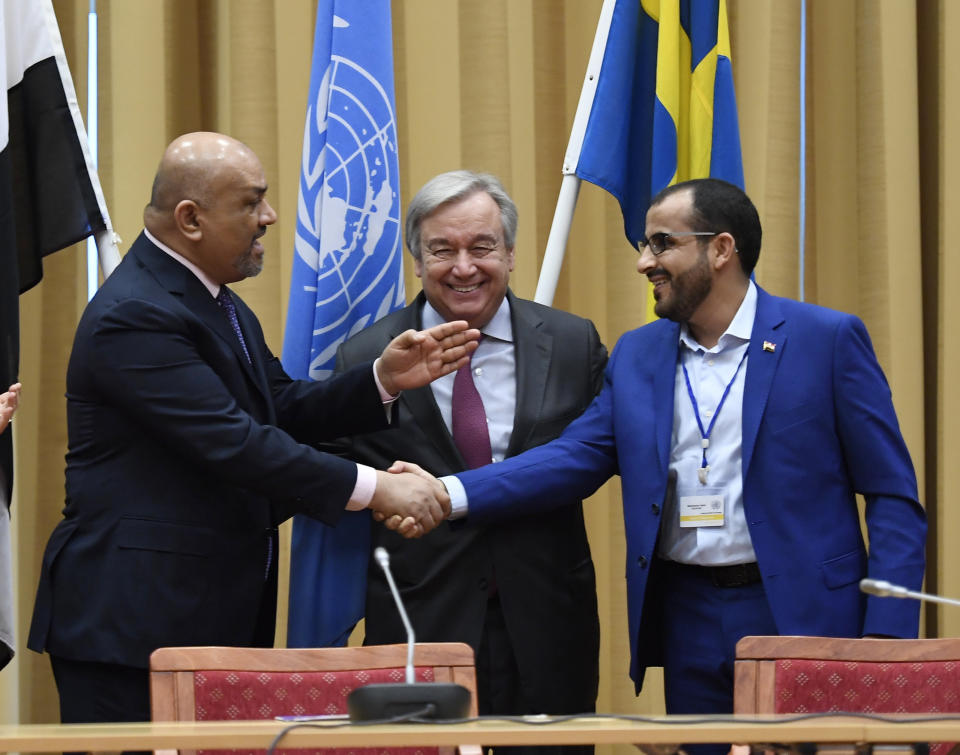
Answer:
[(255, 368), (184, 285), (761, 367), (658, 367), (206, 308), (420, 401), (532, 349)]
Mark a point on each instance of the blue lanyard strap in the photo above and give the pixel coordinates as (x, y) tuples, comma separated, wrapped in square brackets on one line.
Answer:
[(705, 435)]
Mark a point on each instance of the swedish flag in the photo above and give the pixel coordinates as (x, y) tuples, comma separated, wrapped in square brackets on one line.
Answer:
[(664, 109)]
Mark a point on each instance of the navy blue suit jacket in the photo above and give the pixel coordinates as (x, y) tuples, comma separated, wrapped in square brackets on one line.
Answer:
[(182, 459), (818, 427)]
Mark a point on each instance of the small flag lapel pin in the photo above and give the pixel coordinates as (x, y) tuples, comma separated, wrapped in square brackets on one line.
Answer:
[(769, 346)]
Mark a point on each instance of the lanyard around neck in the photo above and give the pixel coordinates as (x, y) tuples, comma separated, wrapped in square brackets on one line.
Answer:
[(705, 434)]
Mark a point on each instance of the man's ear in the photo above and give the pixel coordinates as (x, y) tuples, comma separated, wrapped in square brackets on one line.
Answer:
[(186, 217), (725, 250)]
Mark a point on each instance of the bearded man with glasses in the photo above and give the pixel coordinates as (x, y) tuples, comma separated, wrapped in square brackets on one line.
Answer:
[(742, 426)]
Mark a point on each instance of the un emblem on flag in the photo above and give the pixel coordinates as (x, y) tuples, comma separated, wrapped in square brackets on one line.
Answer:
[(348, 213)]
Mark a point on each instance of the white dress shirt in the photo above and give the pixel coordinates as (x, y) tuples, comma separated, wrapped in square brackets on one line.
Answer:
[(710, 372), (494, 368)]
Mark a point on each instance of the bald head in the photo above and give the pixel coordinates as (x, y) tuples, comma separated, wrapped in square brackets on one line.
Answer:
[(191, 167), (208, 191)]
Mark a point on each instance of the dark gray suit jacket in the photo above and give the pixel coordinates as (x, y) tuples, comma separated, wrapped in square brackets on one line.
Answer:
[(542, 566)]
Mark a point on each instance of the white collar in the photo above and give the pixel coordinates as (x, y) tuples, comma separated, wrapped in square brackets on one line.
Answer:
[(211, 286), (737, 332)]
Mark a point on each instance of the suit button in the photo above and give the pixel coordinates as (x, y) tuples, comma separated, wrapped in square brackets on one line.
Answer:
[(655, 509), (484, 584), (642, 562)]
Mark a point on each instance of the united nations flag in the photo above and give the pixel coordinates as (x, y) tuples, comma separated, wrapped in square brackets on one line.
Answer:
[(347, 273)]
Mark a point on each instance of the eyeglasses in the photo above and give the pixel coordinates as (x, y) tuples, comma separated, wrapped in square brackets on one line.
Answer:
[(661, 242)]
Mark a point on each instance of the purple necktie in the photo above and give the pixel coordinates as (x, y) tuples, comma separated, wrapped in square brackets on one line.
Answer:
[(470, 431), (230, 309)]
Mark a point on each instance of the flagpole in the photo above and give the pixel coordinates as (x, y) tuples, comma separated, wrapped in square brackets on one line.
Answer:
[(570, 186), (802, 214), (93, 279), (101, 246)]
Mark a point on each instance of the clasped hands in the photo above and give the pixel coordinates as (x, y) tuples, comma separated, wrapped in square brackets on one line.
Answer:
[(409, 500)]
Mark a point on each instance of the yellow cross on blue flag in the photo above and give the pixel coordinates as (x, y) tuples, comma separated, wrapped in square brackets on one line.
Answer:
[(664, 108)]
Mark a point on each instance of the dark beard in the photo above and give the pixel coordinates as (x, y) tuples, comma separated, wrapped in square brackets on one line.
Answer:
[(247, 265), (687, 291)]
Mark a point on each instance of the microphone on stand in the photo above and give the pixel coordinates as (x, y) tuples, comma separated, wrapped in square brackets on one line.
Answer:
[(884, 589), (375, 702)]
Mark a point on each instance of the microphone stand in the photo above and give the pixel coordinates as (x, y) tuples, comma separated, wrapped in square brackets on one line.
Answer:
[(884, 589), (417, 700)]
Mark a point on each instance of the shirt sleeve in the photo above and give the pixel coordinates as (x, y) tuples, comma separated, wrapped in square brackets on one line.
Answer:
[(364, 489), (458, 496)]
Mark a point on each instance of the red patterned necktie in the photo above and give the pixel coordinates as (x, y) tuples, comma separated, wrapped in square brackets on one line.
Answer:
[(230, 309), (470, 431)]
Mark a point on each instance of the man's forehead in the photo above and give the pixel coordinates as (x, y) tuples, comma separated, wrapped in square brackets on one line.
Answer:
[(674, 208)]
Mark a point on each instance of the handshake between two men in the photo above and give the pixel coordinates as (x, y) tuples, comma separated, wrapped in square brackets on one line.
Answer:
[(407, 498)]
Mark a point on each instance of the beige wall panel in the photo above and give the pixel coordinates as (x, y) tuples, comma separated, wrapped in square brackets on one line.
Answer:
[(485, 88), (948, 511), (429, 112), (184, 95), (765, 43), (427, 69), (523, 136), (219, 40), (832, 141), (293, 41), (890, 209), (553, 57), (133, 113)]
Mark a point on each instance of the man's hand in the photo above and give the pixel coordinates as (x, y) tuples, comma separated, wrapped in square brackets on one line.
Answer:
[(396, 522), (416, 358), (411, 503), (8, 405)]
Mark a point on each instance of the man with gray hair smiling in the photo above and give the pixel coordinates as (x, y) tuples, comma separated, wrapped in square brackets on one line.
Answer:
[(523, 593)]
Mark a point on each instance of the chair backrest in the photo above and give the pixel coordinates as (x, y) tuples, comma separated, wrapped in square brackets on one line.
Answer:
[(830, 674), (227, 683)]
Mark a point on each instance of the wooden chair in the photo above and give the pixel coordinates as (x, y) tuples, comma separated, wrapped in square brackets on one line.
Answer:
[(227, 683), (829, 674)]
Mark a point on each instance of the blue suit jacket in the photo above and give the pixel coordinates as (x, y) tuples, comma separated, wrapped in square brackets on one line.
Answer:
[(818, 427)]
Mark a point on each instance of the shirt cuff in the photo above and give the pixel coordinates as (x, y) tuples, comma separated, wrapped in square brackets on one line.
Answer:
[(385, 397), (364, 489), (458, 496)]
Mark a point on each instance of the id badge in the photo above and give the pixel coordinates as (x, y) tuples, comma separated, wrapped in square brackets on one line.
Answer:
[(703, 509)]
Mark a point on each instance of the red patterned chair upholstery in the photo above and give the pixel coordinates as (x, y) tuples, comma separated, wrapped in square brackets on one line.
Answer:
[(225, 683), (835, 675)]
